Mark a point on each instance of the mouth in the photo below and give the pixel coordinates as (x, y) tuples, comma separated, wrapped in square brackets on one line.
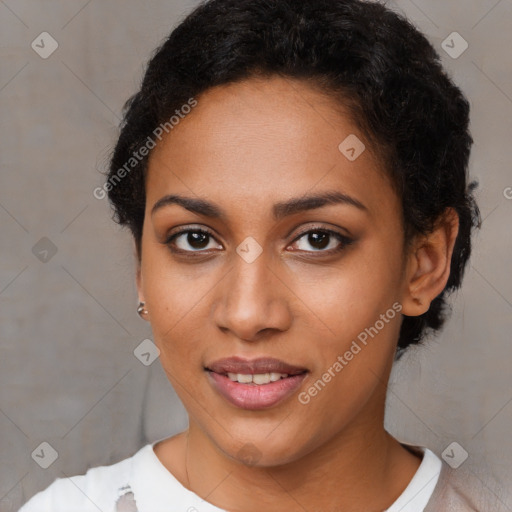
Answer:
[(254, 384), (256, 379)]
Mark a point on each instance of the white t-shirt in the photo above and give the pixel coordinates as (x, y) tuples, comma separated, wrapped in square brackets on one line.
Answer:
[(156, 489)]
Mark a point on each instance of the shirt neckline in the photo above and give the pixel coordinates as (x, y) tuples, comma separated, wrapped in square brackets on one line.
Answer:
[(417, 494), (155, 487)]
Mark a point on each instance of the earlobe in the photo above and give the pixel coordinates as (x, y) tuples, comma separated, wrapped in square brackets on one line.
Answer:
[(138, 282), (429, 265), (141, 308), (138, 277), (142, 311)]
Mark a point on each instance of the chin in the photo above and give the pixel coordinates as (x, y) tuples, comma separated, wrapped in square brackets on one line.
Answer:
[(260, 451)]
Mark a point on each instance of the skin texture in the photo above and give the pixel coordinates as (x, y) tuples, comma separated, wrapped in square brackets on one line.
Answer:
[(245, 147)]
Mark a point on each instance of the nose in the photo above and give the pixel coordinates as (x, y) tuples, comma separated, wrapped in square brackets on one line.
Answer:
[(253, 300)]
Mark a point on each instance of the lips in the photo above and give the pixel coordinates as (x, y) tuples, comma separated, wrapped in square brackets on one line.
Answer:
[(255, 366), (254, 384)]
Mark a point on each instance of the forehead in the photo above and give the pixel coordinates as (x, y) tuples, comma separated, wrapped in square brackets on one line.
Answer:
[(265, 140)]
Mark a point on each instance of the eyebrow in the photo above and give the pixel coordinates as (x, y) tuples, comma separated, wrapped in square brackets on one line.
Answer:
[(279, 210)]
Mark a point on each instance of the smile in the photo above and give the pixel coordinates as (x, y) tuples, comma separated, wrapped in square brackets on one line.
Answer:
[(258, 378), (254, 384)]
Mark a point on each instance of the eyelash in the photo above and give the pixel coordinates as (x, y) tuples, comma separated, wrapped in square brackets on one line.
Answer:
[(344, 241)]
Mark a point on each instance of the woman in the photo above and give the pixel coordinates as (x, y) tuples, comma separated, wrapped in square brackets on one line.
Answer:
[(294, 175)]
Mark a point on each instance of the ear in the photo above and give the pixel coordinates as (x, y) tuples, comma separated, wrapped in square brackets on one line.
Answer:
[(138, 275), (428, 265)]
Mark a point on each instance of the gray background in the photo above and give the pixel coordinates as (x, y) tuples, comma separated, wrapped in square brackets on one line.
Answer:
[(68, 326)]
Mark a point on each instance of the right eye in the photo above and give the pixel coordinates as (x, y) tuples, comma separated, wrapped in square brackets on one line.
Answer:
[(197, 238)]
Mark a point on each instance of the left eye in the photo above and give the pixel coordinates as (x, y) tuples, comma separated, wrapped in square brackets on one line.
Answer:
[(321, 239)]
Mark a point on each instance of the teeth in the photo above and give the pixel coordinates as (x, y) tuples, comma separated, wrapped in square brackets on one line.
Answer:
[(244, 379), (263, 378), (259, 378)]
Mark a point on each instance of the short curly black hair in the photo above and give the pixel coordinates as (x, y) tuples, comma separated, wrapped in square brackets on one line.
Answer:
[(371, 59)]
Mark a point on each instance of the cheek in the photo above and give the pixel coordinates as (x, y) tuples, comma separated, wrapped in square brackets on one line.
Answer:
[(171, 288), (353, 330), (353, 320), (175, 297), (343, 299), (351, 357)]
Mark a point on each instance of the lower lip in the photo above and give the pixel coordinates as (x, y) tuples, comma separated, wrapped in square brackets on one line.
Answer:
[(255, 396)]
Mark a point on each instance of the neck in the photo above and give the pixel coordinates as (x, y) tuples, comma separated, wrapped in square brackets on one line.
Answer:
[(358, 469)]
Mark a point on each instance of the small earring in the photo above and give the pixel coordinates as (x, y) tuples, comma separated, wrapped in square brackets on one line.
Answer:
[(141, 310)]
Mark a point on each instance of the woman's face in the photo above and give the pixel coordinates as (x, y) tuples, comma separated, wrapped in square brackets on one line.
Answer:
[(256, 286)]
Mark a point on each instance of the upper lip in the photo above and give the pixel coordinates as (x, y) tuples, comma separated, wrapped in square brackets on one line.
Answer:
[(253, 366)]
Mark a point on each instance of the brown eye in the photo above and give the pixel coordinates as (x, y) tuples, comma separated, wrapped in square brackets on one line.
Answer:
[(322, 240), (189, 240), (318, 239)]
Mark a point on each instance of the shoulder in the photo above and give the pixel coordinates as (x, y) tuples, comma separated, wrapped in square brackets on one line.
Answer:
[(97, 489), (461, 490)]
